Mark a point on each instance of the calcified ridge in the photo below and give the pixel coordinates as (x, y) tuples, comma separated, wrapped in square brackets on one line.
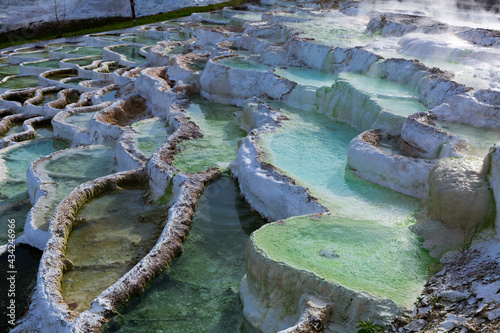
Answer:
[(365, 133)]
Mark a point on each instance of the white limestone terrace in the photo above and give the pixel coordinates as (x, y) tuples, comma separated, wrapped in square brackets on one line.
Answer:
[(413, 118)]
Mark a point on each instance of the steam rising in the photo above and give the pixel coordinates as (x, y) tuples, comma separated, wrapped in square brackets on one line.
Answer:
[(466, 13)]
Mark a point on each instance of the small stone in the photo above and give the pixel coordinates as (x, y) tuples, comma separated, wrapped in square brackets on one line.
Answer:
[(425, 310), (330, 254), (471, 300), (447, 325), (454, 296), (415, 325), (493, 315)]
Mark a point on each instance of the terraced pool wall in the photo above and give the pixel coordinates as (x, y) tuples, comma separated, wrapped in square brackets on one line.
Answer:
[(228, 79)]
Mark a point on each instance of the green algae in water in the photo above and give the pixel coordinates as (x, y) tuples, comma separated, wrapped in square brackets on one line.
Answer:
[(9, 70), (20, 82), (140, 40), (69, 169), (48, 97), (14, 198), (44, 131), (14, 130), (41, 54), (87, 51), (312, 148), (82, 62), (199, 291), (51, 63), (130, 52), (113, 233), (151, 134), (383, 261), (80, 120), (221, 133), (76, 80)]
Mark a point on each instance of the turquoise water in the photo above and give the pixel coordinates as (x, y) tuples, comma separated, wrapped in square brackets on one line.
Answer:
[(221, 133), (242, 63), (198, 292), (131, 52), (338, 32), (69, 169), (312, 148), (151, 134), (479, 140), (86, 51), (14, 199), (140, 40), (80, 120), (307, 77)]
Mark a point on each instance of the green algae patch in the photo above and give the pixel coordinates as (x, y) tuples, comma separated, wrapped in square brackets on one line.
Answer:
[(221, 133), (131, 52), (69, 169), (150, 135), (198, 292), (20, 82), (360, 255), (14, 198), (111, 235)]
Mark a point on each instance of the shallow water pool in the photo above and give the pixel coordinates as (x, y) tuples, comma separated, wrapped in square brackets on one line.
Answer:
[(199, 291)]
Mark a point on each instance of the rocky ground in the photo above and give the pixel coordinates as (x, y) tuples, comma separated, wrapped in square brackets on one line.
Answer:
[(463, 297)]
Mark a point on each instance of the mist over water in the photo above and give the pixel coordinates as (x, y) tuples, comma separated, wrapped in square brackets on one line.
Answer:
[(467, 13)]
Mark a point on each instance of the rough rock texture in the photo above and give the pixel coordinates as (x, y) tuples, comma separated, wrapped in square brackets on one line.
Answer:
[(403, 174), (422, 140), (228, 85), (463, 297), (459, 195)]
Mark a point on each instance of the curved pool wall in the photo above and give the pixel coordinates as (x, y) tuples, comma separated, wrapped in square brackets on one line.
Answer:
[(207, 275), (53, 177), (15, 161), (317, 198)]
